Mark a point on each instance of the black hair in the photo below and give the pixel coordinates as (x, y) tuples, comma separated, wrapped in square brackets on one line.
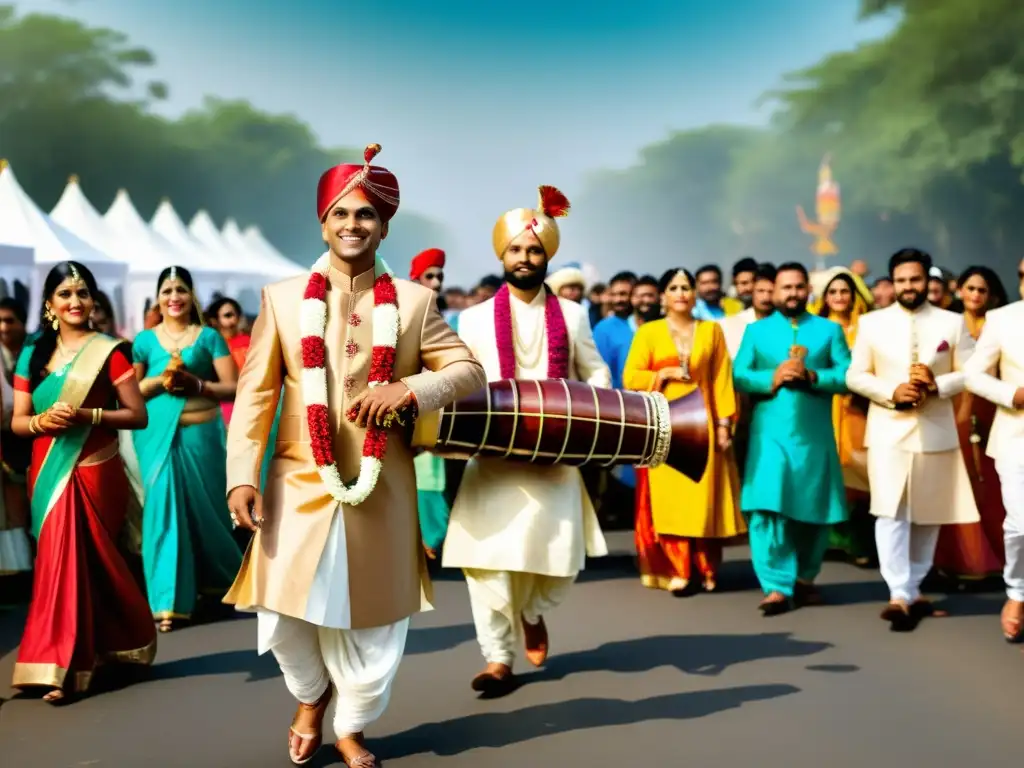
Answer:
[(623, 277), (670, 275), (46, 341), (650, 280), (746, 264), (823, 311), (880, 280), (491, 281), (765, 271), (709, 268), (910, 256), (104, 304), (15, 307), (996, 290), (180, 273), (213, 311), (793, 266)]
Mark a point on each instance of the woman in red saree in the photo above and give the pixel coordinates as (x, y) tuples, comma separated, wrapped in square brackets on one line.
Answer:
[(74, 389), (974, 551), (226, 316)]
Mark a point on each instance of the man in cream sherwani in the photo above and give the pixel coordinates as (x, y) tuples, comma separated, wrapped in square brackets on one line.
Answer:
[(907, 361), (996, 372), (521, 532)]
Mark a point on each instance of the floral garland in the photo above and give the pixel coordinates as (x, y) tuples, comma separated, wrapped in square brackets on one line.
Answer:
[(313, 325), (554, 329)]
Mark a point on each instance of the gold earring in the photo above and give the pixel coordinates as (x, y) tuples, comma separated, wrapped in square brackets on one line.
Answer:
[(51, 318)]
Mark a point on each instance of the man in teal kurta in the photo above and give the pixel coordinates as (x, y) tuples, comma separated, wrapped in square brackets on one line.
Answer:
[(791, 363)]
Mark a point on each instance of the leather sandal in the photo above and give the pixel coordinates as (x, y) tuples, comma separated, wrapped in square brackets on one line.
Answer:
[(1013, 626), (536, 637), (496, 680), (319, 709), (900, 616), (365, 759), (775, 604)]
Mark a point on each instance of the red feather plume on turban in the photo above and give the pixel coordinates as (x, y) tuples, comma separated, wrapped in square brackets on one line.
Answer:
[(432, 257), (378, 184)]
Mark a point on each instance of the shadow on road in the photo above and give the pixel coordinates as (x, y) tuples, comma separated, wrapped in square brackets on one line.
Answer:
[(694, 654), (501, 729), (436, 639), (259, 668)]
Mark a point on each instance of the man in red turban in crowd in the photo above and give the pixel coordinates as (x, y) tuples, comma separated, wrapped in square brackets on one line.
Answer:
[(427, 269), (334, 570)]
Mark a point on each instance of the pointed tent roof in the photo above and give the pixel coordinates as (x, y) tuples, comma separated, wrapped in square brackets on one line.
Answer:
[(254, 239), (23, 223), (266, 263), (167, 223), (159, 252), (205, 231), (74, 212)]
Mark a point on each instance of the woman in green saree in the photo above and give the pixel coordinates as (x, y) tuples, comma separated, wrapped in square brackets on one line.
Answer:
[(74, 389), (186, 370)]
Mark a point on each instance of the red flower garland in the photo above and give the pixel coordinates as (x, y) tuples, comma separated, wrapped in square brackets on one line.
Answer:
[(554, 328)]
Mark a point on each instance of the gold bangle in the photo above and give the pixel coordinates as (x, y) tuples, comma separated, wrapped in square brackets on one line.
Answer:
[(33, 425), (97, 416)]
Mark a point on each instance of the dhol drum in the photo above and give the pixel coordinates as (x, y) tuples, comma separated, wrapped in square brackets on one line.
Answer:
[(557, 421)]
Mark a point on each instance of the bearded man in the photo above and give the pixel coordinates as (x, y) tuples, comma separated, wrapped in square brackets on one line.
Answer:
[(791, 364), (521, 532), (908, 360), (335, 567)]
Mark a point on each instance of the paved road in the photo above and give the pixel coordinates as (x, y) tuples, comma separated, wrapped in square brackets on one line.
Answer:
[(637, 678)]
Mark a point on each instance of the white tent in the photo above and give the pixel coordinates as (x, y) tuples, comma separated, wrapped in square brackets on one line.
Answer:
[(260, 260), (162, 252), (168, 224), (75, 212), (23, 224), (254, 238), (249, 277)]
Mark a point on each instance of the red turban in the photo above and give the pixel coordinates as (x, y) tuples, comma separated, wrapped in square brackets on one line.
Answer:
[(378, 184), (432, 257)]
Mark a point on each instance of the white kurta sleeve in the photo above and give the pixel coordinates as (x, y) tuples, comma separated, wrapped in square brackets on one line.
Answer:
[(977, 378), (590, 366), (952, 383), (860, 376)]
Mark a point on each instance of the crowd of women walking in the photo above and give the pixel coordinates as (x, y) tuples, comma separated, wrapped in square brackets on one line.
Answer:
[(122, 447)]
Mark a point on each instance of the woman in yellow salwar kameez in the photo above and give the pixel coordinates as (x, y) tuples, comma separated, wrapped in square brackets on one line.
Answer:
[(685, 521), (844, 301)]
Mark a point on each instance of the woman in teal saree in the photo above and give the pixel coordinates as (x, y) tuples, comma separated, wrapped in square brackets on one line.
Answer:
[(186, 371), (74, 389)]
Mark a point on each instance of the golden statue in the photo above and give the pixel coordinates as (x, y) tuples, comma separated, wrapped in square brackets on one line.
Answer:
[(827, 207)]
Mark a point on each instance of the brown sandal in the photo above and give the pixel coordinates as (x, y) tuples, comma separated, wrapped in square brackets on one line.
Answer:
[(319, 709)]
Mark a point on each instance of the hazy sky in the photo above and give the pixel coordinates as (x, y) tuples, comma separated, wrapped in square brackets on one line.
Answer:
[(476, 102)]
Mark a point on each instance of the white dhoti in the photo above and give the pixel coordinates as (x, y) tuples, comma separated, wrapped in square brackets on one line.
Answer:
[(361, 663), (1011, 479), (500, 598)]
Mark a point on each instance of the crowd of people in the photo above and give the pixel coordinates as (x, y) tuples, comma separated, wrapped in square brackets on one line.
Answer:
[(268, 467)]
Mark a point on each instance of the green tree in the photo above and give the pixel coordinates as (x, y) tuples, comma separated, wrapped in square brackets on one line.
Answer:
[(70, 102), (665, 210)]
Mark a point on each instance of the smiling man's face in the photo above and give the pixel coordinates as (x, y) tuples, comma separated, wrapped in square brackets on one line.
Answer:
[(352, 228)]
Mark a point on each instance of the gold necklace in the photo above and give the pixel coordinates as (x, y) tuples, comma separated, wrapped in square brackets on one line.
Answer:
[(64, 350), (683, 344)]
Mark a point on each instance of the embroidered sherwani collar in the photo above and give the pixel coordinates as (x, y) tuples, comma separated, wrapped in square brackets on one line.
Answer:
[(348, 284)]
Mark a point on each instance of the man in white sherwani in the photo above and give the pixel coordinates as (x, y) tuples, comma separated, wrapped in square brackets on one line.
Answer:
[(521, 532), (996, 372), (907, 360)]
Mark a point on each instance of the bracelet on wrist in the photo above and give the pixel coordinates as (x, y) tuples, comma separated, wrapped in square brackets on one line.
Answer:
[(97, 416), (33, 425)]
